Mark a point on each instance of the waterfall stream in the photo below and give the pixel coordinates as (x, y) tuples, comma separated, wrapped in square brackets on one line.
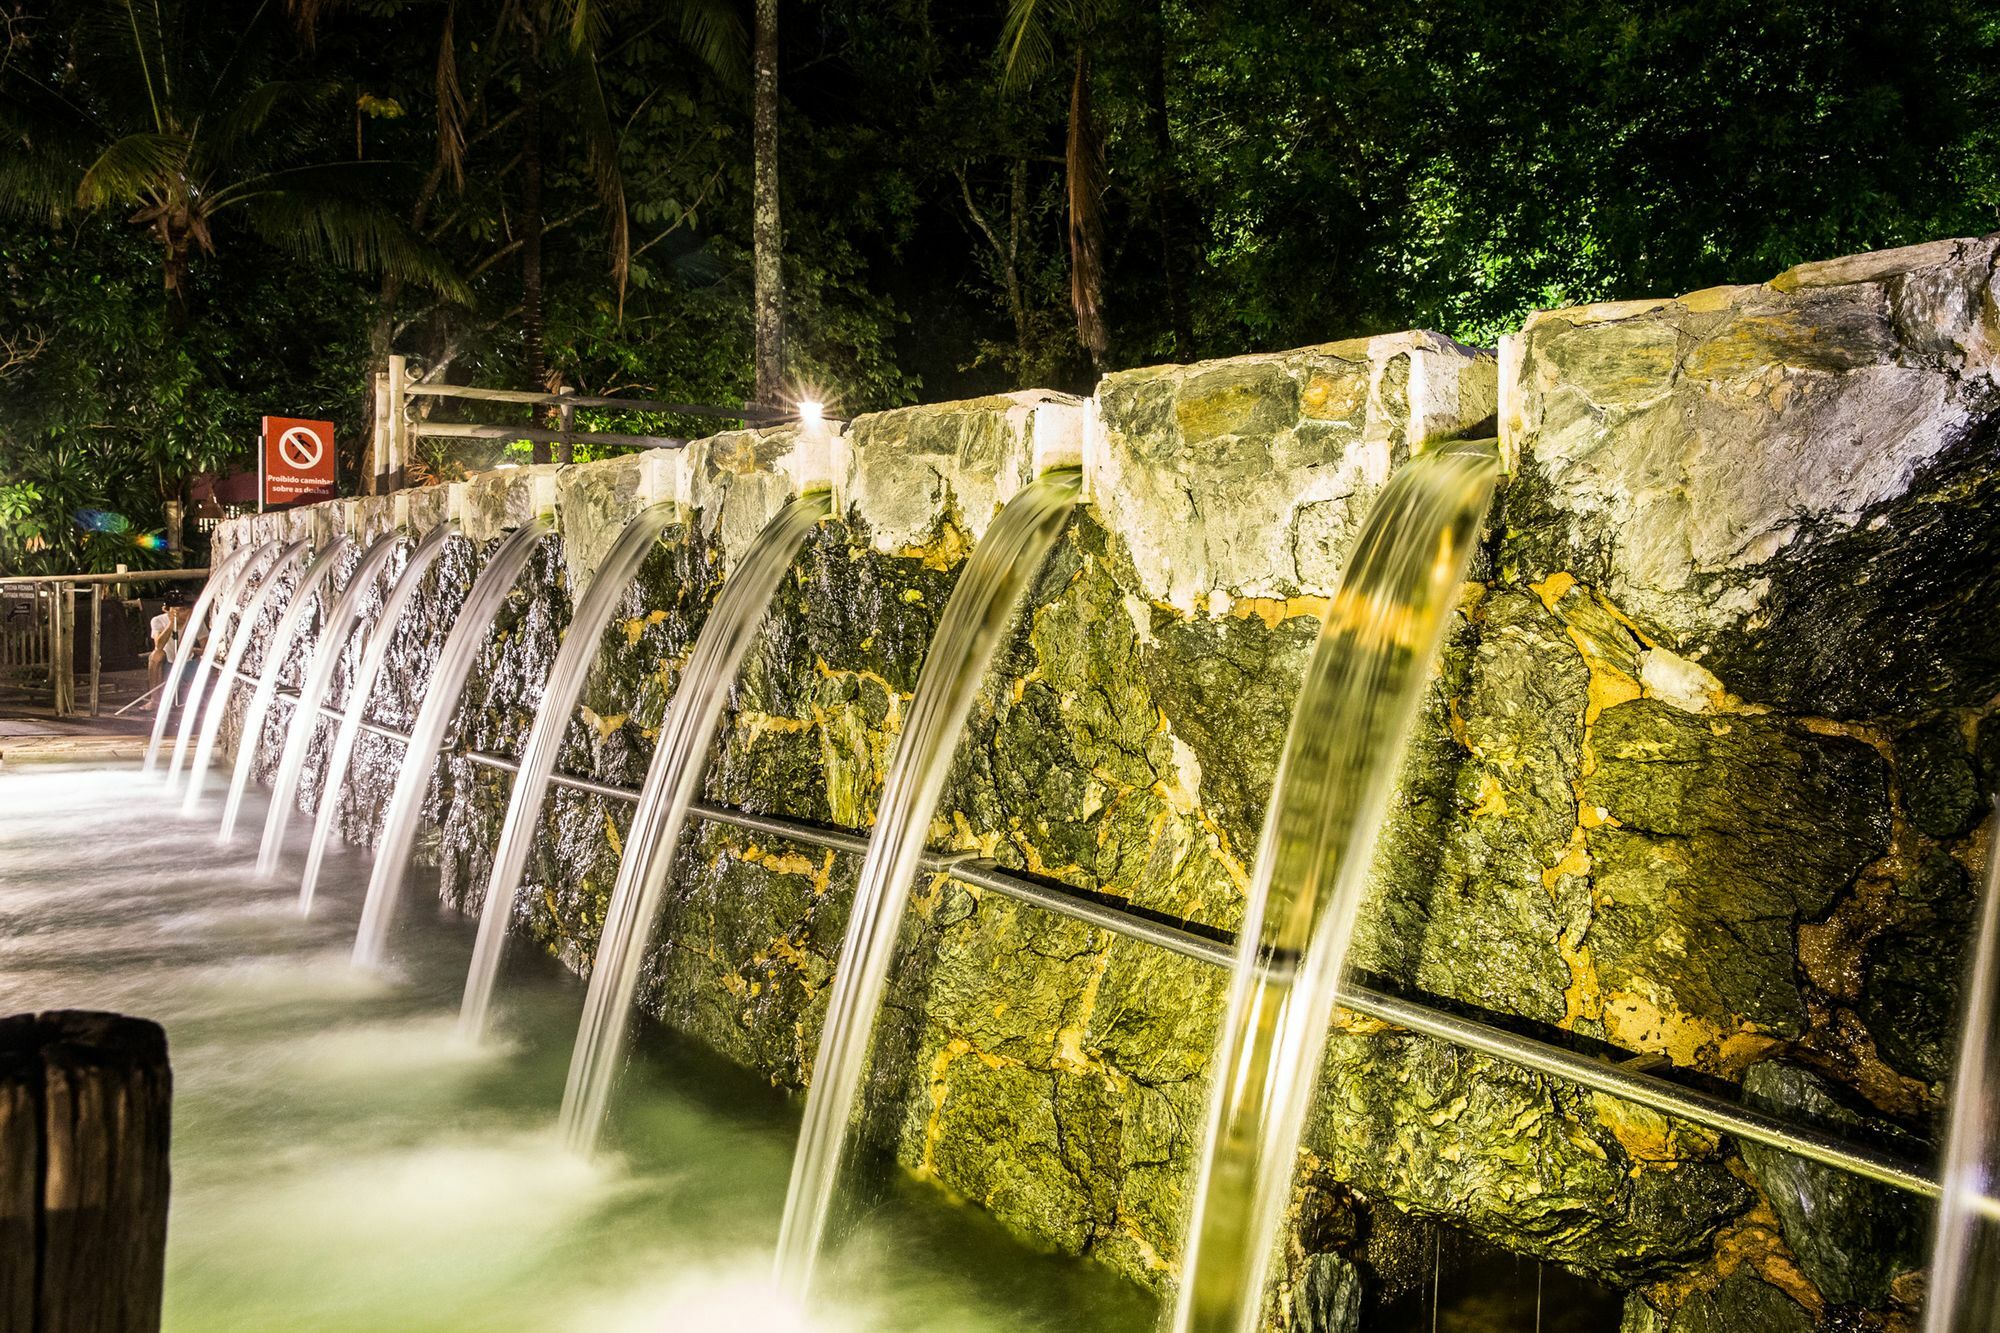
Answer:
[(220, 633), (334, 779), (672, 779), (593, 611), (277, 650), (996, 577), (334, 632), (427, 735), (1964, 1292), (221, 580), (1341, 756), (216, 707)]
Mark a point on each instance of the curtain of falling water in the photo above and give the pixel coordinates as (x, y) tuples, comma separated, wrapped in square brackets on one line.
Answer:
[(995, 578), (220, 581), (1333, 782), (225, 684), (538, 756), (220, 634), (358, 691), (1965, 1258), (672, 780), (333, 638), (277, 649), (427, 734)]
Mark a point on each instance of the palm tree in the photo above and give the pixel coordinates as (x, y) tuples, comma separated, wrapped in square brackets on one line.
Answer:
[(164, 110), (554, 53)]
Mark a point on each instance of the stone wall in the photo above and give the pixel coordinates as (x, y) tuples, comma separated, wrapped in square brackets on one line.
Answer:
[(1700, 781)]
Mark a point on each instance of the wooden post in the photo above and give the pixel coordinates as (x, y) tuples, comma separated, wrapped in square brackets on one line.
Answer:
[(62, 644), (96, 641), (566, 451), (397, 436), (375, 463), (85, 1109), (175, 518)]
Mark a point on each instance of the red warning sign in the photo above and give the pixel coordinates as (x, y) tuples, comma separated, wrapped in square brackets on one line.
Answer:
[(296, 463)]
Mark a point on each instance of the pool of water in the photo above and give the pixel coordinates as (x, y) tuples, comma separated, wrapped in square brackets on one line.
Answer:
[(343, 1162)]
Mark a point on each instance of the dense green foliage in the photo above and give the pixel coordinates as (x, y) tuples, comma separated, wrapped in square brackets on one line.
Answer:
[(209, 211)]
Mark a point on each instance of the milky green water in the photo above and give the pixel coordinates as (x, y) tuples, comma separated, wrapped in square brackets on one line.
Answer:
[(342, 1161)]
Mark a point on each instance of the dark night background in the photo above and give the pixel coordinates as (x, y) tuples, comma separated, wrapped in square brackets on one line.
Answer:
[(239, 207)]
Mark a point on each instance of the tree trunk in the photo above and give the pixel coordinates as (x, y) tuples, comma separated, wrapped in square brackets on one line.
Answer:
[(85, 1100), (1017, 219), (1084, 162), (531, 236), (767, 237), (1007, 254)]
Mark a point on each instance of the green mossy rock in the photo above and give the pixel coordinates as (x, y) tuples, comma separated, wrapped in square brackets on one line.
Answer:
[(1911, 1000), (1515, 1157), (1742, 1304), (1940, 787), (1327, 1296), (1478, 923), (1851, 1237), (1719, 834)]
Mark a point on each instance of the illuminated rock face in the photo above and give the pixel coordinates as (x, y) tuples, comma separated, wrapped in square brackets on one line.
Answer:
[(1783, 482), (1700, 777)]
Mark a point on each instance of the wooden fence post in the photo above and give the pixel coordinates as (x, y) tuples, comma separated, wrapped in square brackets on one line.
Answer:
[(85, 1103)]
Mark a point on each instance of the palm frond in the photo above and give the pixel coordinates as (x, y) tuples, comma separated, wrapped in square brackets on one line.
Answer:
[(133, 168), (713, 33), (1028, 35), (44, 143), (451, 107), (1026, 49), (585, 21), (343, 227), (241, 125), (601, 141), (35, 185)]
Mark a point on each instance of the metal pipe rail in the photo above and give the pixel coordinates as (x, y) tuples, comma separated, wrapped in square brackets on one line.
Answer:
[(1219, 949), (130, 576)]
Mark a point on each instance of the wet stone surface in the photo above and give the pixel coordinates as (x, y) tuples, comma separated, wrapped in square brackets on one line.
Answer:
[(1685, 720), (1850, 1237)]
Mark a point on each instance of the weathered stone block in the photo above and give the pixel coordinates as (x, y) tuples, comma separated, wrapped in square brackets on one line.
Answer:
[(1712, 837), (1851, 1237), (1611, 1189), (1248, 478), (1790, 483)]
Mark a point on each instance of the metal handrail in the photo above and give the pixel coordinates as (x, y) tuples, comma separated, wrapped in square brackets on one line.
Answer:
[(129, 576), (1191, 940)]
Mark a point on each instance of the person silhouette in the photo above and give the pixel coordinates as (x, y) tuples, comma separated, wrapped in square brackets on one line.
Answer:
[(166, 630)]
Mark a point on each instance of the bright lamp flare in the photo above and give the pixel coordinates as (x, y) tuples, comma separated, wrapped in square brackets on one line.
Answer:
[(811, 410)]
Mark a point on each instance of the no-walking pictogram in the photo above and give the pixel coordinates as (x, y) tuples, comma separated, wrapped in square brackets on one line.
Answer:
[(301, 449)]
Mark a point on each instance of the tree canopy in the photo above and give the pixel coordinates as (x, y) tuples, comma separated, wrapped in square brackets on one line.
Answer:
[(209, 211)]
